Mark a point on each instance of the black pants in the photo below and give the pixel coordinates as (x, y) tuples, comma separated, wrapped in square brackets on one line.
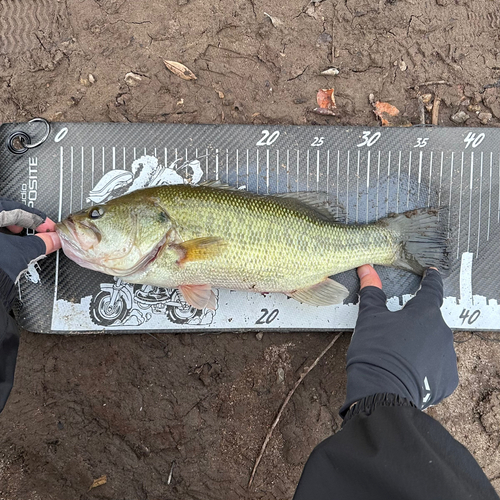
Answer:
[(388, 449)]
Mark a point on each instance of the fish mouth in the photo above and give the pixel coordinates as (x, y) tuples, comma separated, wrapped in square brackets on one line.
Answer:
[(72, 247)]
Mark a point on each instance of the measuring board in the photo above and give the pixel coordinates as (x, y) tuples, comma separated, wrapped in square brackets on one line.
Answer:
[(367, 173)]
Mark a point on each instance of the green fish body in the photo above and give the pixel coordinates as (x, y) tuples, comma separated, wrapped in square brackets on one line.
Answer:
[(199, 237)]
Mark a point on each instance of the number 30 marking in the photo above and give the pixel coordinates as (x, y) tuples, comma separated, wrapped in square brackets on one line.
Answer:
[(369, 139)]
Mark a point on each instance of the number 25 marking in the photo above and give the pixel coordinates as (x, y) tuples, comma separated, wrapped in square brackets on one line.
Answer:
[(318, 141)]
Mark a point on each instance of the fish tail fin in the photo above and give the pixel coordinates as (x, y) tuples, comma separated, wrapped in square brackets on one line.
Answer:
[(421, 239)]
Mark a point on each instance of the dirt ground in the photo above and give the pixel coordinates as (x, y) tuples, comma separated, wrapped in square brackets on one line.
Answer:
[(184, 416)]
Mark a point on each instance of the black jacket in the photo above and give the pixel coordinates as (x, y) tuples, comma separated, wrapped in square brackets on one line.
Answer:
[(9, 338), (389, 449)]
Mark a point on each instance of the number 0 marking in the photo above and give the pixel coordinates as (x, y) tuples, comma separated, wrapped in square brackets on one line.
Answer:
[(61, 134)]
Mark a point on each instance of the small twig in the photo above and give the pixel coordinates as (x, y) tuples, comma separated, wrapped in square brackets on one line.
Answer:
[(283, 406), (169, 480), (160, 341), (421, 109), (437, 82), (435, 110)]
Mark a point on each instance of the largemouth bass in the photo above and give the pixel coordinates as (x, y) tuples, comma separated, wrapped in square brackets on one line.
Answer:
[(198, 237)]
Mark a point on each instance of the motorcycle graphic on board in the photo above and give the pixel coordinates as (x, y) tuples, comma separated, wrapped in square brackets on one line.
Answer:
[(121, 303)]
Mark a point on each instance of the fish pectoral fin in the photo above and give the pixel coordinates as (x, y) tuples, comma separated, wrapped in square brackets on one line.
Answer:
[(325, 293), (199, 249), (199, 296)]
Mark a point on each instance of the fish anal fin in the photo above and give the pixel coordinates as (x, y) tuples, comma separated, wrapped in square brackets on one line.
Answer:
[(198, 296), (325, 293), (199, 249)]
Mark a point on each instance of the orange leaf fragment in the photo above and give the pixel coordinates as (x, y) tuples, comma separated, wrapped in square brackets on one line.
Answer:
[(385, 111), (326, 99)]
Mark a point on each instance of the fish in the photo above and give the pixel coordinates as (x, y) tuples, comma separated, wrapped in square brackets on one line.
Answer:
[(199, 237)]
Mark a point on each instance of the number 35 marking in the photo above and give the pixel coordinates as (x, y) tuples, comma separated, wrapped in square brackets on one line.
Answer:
[(421, 142)]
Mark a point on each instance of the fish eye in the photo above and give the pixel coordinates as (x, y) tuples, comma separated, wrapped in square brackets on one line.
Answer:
[(96, 212)]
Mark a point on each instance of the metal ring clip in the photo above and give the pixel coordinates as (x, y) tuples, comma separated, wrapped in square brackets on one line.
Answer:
[(20, 142)]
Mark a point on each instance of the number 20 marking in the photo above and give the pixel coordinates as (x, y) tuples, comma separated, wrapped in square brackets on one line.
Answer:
[(267, 317), (369, 139), (268, 138)]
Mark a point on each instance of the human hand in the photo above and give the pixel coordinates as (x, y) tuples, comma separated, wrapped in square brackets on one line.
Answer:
[(16, 252), (408, 352)]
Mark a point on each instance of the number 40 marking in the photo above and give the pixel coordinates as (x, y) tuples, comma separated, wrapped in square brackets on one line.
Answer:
[(473, 140)]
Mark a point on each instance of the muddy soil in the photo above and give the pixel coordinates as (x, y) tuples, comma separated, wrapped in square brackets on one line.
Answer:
[(184, 416)]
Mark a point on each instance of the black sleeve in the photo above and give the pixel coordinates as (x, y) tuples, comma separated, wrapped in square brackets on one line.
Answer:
[(9, 338), (389, 449)]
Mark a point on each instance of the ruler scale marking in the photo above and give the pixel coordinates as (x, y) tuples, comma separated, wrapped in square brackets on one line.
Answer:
[(409, 180), (452, 166), (337, 201), (430, 181), (388, 183), (357, 187), (460, 204), (479, 205), (367, 184), (378, 185), (489, 197)]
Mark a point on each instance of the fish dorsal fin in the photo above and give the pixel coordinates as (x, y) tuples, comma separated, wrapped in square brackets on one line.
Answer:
[(315, 200), (217, 184), (325, 293)]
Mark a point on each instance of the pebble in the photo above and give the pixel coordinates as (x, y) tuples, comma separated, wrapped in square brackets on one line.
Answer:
[(460, 117), (259, 336), (485, 118)]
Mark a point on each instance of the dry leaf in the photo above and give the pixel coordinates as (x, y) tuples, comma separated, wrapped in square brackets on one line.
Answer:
[(330, 72), (326, 99), (99, 482), (324, 111), (385, 111), (180, 70)]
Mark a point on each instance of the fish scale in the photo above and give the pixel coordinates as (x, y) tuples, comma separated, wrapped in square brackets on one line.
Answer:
[(272, 247)]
